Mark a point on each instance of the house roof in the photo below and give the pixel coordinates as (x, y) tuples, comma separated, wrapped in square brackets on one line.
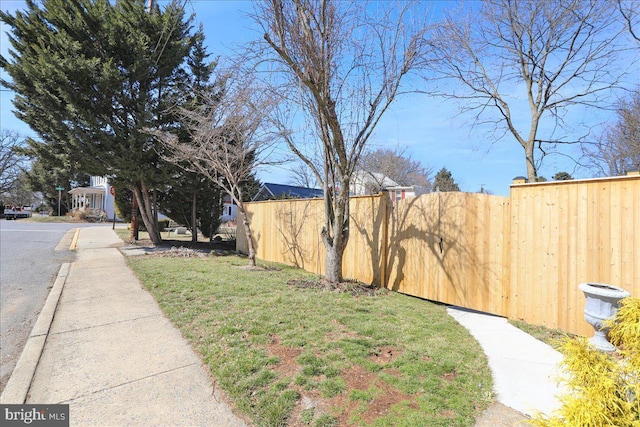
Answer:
[(363, 177), (88, 190), (270, 191)]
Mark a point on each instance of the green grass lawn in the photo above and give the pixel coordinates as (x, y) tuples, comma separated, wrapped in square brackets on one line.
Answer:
[(50, 218), (289, 355), (549, 336)]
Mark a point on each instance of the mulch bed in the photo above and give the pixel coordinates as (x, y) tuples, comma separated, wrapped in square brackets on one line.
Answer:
[(353, 288), (188, 249)]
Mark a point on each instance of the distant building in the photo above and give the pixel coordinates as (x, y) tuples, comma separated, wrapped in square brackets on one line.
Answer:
[(229, 209), (270, 191), (95, 199), (363, 183)]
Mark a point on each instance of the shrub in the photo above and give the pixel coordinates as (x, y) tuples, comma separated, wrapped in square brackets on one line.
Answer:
[(604, 389)]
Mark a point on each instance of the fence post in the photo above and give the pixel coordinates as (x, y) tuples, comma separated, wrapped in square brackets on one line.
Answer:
[(384, 244)]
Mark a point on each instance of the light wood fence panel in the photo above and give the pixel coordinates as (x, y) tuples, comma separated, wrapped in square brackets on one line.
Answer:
[(570, 232), (449, 247), (288, 231)]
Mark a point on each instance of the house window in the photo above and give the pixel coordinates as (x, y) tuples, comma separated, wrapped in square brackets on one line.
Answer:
[(229, 211)]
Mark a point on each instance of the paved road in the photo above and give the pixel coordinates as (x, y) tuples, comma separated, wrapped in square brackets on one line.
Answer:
[(29, 263)]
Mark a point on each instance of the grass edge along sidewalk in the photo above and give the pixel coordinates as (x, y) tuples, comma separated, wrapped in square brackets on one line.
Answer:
[(297, 355)]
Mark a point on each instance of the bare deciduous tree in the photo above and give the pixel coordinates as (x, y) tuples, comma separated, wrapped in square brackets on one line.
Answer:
[(537, 57), (10, 159), (228, 140), (340, 64), (303, 176), (630, 11), (20, 193), (617, 151), (397, 165)]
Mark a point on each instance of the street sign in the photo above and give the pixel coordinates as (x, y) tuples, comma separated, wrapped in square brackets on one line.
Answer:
[(59, 196)]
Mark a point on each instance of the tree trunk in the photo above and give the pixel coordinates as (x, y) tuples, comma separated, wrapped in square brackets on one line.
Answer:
[(333, 271), (133, 234), (248, 233), (194, 214), (335, 240), (212, 218), (155, 210), (532, 172), (146, 212)]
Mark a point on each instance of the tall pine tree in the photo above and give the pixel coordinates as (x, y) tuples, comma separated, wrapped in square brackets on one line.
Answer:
[(90, 75), (190, 199)]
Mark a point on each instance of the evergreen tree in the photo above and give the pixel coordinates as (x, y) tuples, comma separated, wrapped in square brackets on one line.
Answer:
[(562, 176), (90, 75), (444, 181), (177, 201), (177, 198)]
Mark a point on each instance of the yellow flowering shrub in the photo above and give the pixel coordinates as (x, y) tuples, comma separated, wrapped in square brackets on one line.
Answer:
[(604, 389)]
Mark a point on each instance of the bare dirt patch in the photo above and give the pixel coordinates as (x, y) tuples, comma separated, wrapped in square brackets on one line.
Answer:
[(343, 407), (288, 365), (385, 355), (250, 267), (450, 376), (358, 378), (182, 248)]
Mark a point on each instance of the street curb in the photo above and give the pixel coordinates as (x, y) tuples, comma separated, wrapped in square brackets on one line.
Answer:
[(19, 383)]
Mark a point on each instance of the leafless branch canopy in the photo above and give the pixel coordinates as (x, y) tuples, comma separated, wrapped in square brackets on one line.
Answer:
[(547, 55), (10, 160), (343, 63), (397, 165), (630, 11), (228, 136), (617, 151), (303, 176)]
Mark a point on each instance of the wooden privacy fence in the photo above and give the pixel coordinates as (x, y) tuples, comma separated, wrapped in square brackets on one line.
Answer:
[(521, 257)]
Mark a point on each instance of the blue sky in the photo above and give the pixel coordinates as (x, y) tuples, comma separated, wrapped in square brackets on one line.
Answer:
[(430, 128)]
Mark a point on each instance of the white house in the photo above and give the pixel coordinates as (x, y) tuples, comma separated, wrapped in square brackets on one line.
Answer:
[(363, 183), (229, 209), (96, 199)]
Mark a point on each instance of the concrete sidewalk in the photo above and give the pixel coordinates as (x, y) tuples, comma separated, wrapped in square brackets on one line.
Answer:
[(102, 345), (524, 369)]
